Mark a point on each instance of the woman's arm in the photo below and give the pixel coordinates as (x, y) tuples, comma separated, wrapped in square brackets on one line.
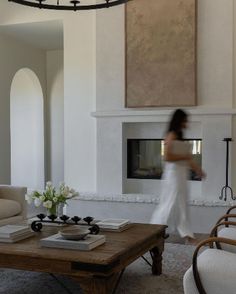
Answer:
[(200, 173), (168, 154)]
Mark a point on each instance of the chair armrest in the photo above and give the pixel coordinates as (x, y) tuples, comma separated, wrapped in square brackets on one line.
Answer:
[(15, 193), (209, 241), (214, 231), (230, 209), (226, 217)]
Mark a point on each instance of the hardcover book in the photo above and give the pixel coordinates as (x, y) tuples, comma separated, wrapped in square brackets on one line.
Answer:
[(17, 238), (89, 243), (10, 231), (113, 223), (115, 230)]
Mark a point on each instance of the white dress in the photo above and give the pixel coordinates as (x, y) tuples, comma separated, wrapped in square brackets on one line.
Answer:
[(172, 209)]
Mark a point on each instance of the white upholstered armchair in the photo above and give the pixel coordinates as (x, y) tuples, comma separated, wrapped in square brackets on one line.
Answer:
[(213, 271), (226, 228), (12, 204)]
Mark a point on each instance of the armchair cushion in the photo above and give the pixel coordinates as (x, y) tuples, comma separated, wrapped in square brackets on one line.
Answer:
[(229, 233), (217, 273), (9, 208)]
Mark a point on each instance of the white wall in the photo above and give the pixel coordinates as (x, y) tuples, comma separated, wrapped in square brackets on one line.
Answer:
[(55, 116), (233, 144), (14, 56), (89, 73), (80, 127), (79, 88), (216, 81), (110, 58), (216, 89), (94, 66), (27, 130), (214, 54)]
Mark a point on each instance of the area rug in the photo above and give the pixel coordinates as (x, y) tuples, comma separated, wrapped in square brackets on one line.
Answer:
[(137, 278)]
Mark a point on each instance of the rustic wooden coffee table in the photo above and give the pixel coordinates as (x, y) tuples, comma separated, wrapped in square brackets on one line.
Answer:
[(97, 271)]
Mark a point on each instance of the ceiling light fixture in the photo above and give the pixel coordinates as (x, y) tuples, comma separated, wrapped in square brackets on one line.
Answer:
[(71, 4)]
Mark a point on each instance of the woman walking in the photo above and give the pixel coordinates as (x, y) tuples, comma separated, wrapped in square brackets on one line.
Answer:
[(172, 209)]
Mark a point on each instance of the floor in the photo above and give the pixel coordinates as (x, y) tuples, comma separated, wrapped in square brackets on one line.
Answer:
[(175, 239)]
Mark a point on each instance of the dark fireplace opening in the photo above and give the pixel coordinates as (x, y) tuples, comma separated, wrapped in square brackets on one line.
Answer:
[(145, 158)]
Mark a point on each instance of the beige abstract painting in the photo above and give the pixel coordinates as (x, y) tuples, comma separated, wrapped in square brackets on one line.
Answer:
[(160, 53)]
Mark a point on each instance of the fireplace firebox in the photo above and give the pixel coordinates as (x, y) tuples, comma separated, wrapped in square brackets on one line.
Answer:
[(145, 158)]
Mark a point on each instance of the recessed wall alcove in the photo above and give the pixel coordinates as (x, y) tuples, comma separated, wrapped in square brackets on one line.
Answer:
[(27, 130)]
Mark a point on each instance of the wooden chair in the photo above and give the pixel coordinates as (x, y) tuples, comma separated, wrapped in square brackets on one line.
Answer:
[(227, 230), (213, 271)]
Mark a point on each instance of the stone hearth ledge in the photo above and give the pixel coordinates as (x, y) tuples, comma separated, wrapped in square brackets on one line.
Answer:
[(142, 198)]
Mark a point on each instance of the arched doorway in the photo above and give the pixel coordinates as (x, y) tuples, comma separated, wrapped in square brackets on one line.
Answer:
[(27, 130)]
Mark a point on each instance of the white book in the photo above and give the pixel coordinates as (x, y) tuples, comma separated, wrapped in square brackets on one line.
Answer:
[(113, 223), (9, 231), (116, 230), (89, 243), (17, 238)]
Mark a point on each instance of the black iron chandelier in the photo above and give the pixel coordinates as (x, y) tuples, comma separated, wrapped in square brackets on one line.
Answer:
[(70, 4)]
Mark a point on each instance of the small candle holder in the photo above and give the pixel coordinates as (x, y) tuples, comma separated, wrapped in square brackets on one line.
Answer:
[(37, 225)]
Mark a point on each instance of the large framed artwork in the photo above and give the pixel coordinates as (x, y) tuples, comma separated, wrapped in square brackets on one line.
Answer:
[(161, 53)]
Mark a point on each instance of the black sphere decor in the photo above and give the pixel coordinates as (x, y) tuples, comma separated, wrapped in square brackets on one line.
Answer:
[(41, 216), (76, 219), (64, 218), (88, 219)]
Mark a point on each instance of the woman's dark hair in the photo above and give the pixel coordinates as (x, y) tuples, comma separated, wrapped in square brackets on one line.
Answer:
[(175, 125)]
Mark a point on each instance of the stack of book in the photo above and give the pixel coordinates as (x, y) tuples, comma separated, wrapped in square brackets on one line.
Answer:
[(57, 241), (14, 233), (114, 225)]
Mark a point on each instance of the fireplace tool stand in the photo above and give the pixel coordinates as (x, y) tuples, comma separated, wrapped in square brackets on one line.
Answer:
[(227, 190)]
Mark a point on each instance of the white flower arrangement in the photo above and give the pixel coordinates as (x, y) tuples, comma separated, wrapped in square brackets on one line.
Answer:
[(51, 197)]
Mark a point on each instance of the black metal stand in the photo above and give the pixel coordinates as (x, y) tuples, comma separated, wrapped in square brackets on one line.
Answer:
[(37, 225), (227, 190), (118, 281), (147, 261)]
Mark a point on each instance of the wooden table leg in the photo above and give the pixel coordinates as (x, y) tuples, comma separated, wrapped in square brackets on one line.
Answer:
[(99, 284), (156, 254)]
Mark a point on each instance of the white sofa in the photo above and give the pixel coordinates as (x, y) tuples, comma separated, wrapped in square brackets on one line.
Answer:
[(12, 204)]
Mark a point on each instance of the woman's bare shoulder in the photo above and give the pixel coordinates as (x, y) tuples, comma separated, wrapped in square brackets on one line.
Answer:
[(171, 136)]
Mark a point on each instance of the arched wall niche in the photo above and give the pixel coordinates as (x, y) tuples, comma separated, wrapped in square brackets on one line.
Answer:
[(27, 130)]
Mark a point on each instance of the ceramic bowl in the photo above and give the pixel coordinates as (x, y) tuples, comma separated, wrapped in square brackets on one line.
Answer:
[(74, 233)]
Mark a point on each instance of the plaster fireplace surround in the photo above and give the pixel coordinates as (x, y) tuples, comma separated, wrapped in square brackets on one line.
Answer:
[(118, 196)]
